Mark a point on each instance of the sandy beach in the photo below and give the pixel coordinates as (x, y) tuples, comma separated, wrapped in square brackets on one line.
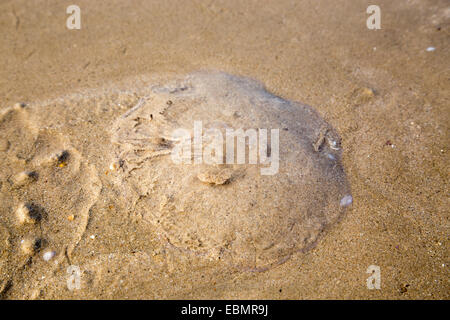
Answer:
[(93, 207)]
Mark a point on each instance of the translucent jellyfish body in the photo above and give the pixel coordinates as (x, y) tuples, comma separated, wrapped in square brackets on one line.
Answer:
[(280, 188)]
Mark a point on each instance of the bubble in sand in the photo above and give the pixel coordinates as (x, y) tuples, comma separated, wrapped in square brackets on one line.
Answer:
[(230, 211)]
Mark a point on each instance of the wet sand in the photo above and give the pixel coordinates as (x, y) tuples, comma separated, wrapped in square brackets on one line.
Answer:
[(381, 90)]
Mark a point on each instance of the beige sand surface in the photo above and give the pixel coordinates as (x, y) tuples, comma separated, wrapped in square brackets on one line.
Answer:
[(384, 94)]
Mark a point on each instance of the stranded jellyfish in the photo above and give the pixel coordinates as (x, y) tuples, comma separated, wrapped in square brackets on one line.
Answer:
[(226, 170)]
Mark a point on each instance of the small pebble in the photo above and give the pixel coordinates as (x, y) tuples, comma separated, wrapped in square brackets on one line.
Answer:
[(333, 144), (62, 158), (29, 246), (430, 49), (368, 92), (23, 178), (58, 159), (92, 237), (19, 105), (27, 213), (48, 255), (26, 246), (346, 201), (115, 165)]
